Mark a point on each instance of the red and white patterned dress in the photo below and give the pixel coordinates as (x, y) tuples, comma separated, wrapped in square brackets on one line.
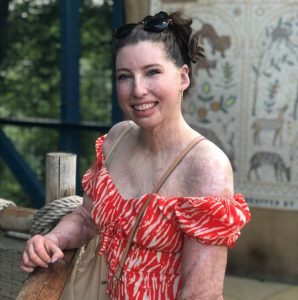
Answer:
[(152, 269)]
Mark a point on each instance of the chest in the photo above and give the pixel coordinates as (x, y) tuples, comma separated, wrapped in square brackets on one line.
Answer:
[(138, 174)]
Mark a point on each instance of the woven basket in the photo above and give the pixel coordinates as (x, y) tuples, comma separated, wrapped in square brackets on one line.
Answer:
[(11, 276)]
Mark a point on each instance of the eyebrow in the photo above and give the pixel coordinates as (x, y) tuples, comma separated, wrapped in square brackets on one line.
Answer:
[(145, 67)]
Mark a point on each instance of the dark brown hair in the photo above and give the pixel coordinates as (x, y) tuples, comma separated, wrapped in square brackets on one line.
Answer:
[(182, 44)]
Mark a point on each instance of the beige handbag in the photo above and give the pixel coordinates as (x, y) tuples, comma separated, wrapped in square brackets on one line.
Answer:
[(89, 276)]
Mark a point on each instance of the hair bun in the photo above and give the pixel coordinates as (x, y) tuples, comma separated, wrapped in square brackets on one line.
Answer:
[(195, 48)]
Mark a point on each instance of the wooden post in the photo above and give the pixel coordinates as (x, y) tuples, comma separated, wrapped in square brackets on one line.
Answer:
[(48, 284), (60, 175)]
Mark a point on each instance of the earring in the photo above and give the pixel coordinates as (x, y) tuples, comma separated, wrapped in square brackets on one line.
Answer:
[(181, 95)]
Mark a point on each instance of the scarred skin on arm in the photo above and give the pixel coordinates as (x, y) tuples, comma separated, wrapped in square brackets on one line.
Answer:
[(203, 266), (73, 231), (203, 271)]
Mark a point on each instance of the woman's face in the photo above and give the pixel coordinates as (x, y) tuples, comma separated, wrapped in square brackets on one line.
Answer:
[(149, 84)]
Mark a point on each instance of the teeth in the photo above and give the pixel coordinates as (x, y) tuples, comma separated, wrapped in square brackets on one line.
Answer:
[(144, 106)]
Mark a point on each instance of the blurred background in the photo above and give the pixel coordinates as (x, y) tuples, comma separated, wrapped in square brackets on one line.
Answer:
[(55, 78)]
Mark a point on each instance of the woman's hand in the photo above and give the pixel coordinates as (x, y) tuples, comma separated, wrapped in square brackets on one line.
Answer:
[(40, 251)]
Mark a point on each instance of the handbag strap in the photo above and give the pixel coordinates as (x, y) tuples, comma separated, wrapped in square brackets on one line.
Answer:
[(165, 176), (118, 140)]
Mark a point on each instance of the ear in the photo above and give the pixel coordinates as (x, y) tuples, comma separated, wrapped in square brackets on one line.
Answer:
[(185, 81)]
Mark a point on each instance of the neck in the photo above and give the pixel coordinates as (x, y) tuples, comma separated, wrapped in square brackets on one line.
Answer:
[(165, 136)]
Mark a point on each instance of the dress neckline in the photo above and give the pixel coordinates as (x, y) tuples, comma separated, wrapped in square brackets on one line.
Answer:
[(119, 194), (145, 195), (115, 188)]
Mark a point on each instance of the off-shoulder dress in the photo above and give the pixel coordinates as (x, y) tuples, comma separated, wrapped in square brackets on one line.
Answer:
[(152, 269)]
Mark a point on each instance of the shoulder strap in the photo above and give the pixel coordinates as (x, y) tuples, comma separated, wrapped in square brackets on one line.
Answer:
[(176, 162), (142, 211), (118, 140)]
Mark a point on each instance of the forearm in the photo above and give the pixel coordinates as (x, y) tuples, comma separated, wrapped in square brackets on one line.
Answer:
[(201, 289), (203, 272), (74, 230)]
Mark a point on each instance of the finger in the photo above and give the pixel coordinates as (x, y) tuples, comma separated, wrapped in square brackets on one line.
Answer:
[(56, 253), (26, 261), (35, 257), (43, 251), (25, 268), (56, 257), (26, 265)]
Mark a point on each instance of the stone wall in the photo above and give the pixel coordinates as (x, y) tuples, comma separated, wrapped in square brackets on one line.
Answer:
[(268, 247)]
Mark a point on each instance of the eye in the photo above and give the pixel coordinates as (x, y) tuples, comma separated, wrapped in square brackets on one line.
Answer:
[(123, 76), (152, 72)]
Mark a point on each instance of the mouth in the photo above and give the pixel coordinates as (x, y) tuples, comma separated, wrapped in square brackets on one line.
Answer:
[(144, 106)]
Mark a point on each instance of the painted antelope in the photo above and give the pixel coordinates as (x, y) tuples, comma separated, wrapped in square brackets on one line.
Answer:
[(218, 43), (275, 124), (206, 65), (269, 158)]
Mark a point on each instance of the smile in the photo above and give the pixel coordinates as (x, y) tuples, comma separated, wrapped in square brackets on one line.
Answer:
[(145, 106)]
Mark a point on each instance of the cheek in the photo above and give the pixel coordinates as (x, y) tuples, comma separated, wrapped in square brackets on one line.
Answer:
[(170, 88), (122, 91), (163, 87)]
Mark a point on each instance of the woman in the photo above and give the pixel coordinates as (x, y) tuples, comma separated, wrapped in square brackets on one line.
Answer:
[(180, 248)]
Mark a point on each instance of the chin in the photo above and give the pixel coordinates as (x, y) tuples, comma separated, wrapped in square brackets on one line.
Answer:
[(146, 123)]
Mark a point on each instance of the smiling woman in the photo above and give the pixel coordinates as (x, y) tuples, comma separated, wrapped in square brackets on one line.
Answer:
[(159, 193)]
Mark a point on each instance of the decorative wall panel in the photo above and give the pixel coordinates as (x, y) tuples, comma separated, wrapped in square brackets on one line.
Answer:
[(245, 95)]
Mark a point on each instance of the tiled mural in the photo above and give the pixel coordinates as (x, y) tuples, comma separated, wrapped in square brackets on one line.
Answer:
[(245, 94)]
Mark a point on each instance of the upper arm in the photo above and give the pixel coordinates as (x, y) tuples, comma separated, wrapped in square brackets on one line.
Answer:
[(203, 266), (85, 212), (215, 172), (87, 205)]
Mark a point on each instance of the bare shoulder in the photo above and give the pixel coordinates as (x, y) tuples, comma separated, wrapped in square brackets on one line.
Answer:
[(114, 133), (211, 153), (211, 170)]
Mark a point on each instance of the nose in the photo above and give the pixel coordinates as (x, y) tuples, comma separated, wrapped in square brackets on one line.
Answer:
[(139, 87)]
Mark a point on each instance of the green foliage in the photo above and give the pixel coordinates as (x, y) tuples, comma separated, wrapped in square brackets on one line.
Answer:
[(30, 80), (30, 64), (96, 61), (10, 189)]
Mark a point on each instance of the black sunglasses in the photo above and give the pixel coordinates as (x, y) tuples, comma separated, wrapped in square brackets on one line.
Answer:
[(156, 23)]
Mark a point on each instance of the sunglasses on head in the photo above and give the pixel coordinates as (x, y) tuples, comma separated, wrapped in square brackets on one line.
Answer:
[(156, 23)]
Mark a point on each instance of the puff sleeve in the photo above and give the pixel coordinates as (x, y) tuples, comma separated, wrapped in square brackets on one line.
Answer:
[(90, 177), (210, 220)]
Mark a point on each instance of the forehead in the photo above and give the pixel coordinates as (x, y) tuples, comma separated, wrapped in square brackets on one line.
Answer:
[(145, 52)]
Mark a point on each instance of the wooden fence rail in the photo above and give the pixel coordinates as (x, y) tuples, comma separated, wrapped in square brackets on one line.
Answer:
[(46, 284), (16, 219)]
